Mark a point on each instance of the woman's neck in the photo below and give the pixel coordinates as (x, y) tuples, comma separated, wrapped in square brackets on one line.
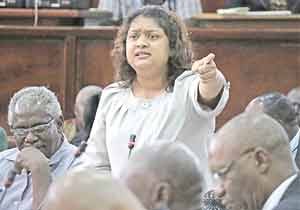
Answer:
[(149, 87)]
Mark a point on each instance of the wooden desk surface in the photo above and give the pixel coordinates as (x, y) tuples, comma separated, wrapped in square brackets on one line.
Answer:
[(213, 20), (215, 16), (57, 13)]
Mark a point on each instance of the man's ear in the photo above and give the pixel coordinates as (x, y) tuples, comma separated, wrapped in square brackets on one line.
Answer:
[(262, 159), (161, 196)]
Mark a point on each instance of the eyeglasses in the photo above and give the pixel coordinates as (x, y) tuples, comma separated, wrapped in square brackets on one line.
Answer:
[(221, 174), (36, 130)]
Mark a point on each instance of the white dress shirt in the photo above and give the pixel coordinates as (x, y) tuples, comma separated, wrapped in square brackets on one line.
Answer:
[(294, 144)]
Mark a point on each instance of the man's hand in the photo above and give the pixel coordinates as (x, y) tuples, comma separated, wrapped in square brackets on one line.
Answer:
[(35, 161), (31, 159)]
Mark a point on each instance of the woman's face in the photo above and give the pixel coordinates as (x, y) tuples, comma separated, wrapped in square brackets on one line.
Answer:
[(147, 47)]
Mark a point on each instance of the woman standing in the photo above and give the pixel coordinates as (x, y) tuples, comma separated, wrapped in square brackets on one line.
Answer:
[(156, 96)]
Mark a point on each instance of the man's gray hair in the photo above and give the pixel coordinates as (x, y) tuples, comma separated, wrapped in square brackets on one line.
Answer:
[(39, 95)]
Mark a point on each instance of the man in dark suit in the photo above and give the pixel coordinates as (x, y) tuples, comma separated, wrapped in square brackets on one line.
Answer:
[(265, 5), (290, 199), (251, 161), (280, 108)]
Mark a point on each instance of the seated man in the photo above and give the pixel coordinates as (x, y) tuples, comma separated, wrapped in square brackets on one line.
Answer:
[(165, 176), (42, 153), (294, 96), (89, 190), (3, 140), (251, 161), (265, 5), (277, 106)]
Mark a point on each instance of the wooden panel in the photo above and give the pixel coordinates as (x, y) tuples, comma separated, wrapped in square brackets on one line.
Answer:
[(49, 17), (94, 62), (212, 6), (253, 67), (27, 61), (255, 60)]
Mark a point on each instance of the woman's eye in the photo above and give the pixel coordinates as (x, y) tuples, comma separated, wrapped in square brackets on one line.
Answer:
[(133, 36), (154, 36)]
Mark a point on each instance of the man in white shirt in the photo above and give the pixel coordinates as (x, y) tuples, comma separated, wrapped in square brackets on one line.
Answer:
[(251, 160)]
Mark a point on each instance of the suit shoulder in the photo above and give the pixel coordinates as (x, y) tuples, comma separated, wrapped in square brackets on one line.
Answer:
[(290, 203)]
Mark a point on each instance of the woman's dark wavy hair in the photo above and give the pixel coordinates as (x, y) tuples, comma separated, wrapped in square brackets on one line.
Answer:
[(180, 45)]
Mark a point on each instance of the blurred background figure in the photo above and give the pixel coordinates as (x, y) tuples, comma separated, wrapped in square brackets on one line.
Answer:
[(85, 108), (280, 108), (294, 96), (3, 140), (265, 5), (121, 8), (89, 190)]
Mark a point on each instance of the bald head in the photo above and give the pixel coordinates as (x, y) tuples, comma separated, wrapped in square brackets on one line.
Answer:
[(279, 107), (253, 150), (165, 175), (251, 130), (294, 94), (89, 190)]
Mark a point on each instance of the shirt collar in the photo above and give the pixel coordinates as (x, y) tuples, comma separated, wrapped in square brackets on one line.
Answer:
[(294, 143), (277, 194), (56, 157)]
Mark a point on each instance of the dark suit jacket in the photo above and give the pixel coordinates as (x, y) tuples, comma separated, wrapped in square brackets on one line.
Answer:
[(261, 5), (291, 197)]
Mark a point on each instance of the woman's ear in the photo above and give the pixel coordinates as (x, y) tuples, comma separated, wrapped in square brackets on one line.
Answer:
[(161, 196)]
